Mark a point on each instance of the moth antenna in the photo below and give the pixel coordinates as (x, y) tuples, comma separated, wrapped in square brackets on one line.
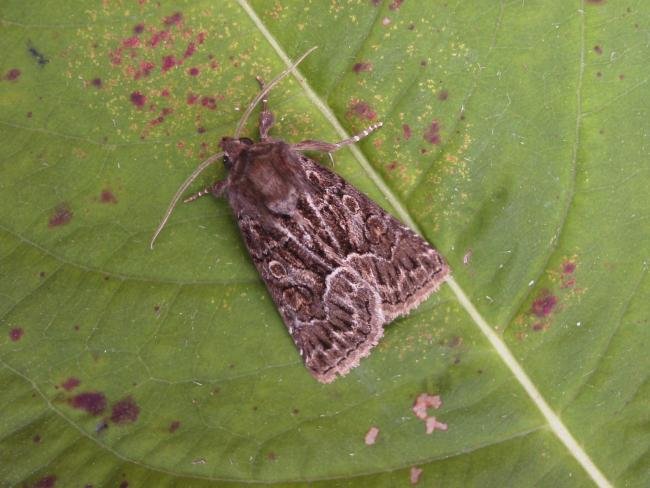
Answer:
[(267, 88), (179, 193)]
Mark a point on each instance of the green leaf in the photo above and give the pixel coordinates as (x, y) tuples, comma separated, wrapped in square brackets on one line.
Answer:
[(515, 138)]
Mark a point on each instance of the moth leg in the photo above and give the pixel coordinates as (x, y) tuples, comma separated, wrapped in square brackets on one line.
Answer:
[(330, 147), (216, 189), (266, 116)]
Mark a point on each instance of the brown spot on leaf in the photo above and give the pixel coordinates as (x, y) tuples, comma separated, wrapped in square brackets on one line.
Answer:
[(92, 402), (568, 267), (48, 481), (443, 95), (190, 50), (432, 134), (598, 49), (70, 384), (173, 427), (209, 102), (16, 334), (544, 305), (362, 110), (61, 216), (406, 130), (138, 99), (125, 411), (131, 42), (174, 19), (193, 71), (13, 74), (168, 63), (363, 66), (138, 29), (107, 196)]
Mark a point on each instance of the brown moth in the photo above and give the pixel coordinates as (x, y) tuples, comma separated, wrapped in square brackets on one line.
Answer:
[(337, 265)]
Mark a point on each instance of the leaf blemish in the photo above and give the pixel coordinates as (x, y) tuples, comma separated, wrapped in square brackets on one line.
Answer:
[(107, 196), (432, 134), (61, 216), (71, 383), (13, 74), (125, 411), (361, 67), (138, 99), (92, 402), (544, 304), (16, 334), (173, 427), (360, 109)]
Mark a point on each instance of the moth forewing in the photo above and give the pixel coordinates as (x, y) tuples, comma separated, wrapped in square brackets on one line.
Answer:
[(337, 266)]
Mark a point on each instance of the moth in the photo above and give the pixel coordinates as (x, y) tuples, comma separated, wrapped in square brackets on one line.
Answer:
[(338, 266)]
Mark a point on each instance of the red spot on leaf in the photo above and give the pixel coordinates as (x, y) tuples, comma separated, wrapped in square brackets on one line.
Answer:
[(70, 384), (193, 71), (61, 216), (361, 109), (173, 427), (406, 130), (568, 267), (131, 42), (598, 49), (392, 165), (432, 134), (395, 4), (92, 402), (174, 19), (97, 82), (13, 74), (115, 57), (209, 102), (165, 92), (107, 196), (543, 305), (360, 67), (125, 411), (138, 99), (192, 98), (138, 29), (16, 334), (569, 283), (191, 49), (145, 68), (596, 2), (158, 37), (46, 482), (200, 130), (168, 63), (415, 474)]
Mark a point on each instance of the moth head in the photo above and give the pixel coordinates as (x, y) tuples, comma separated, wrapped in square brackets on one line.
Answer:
[(233, 148)]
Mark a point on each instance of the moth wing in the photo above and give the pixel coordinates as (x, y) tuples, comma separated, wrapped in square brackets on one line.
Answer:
[(338, 268)]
